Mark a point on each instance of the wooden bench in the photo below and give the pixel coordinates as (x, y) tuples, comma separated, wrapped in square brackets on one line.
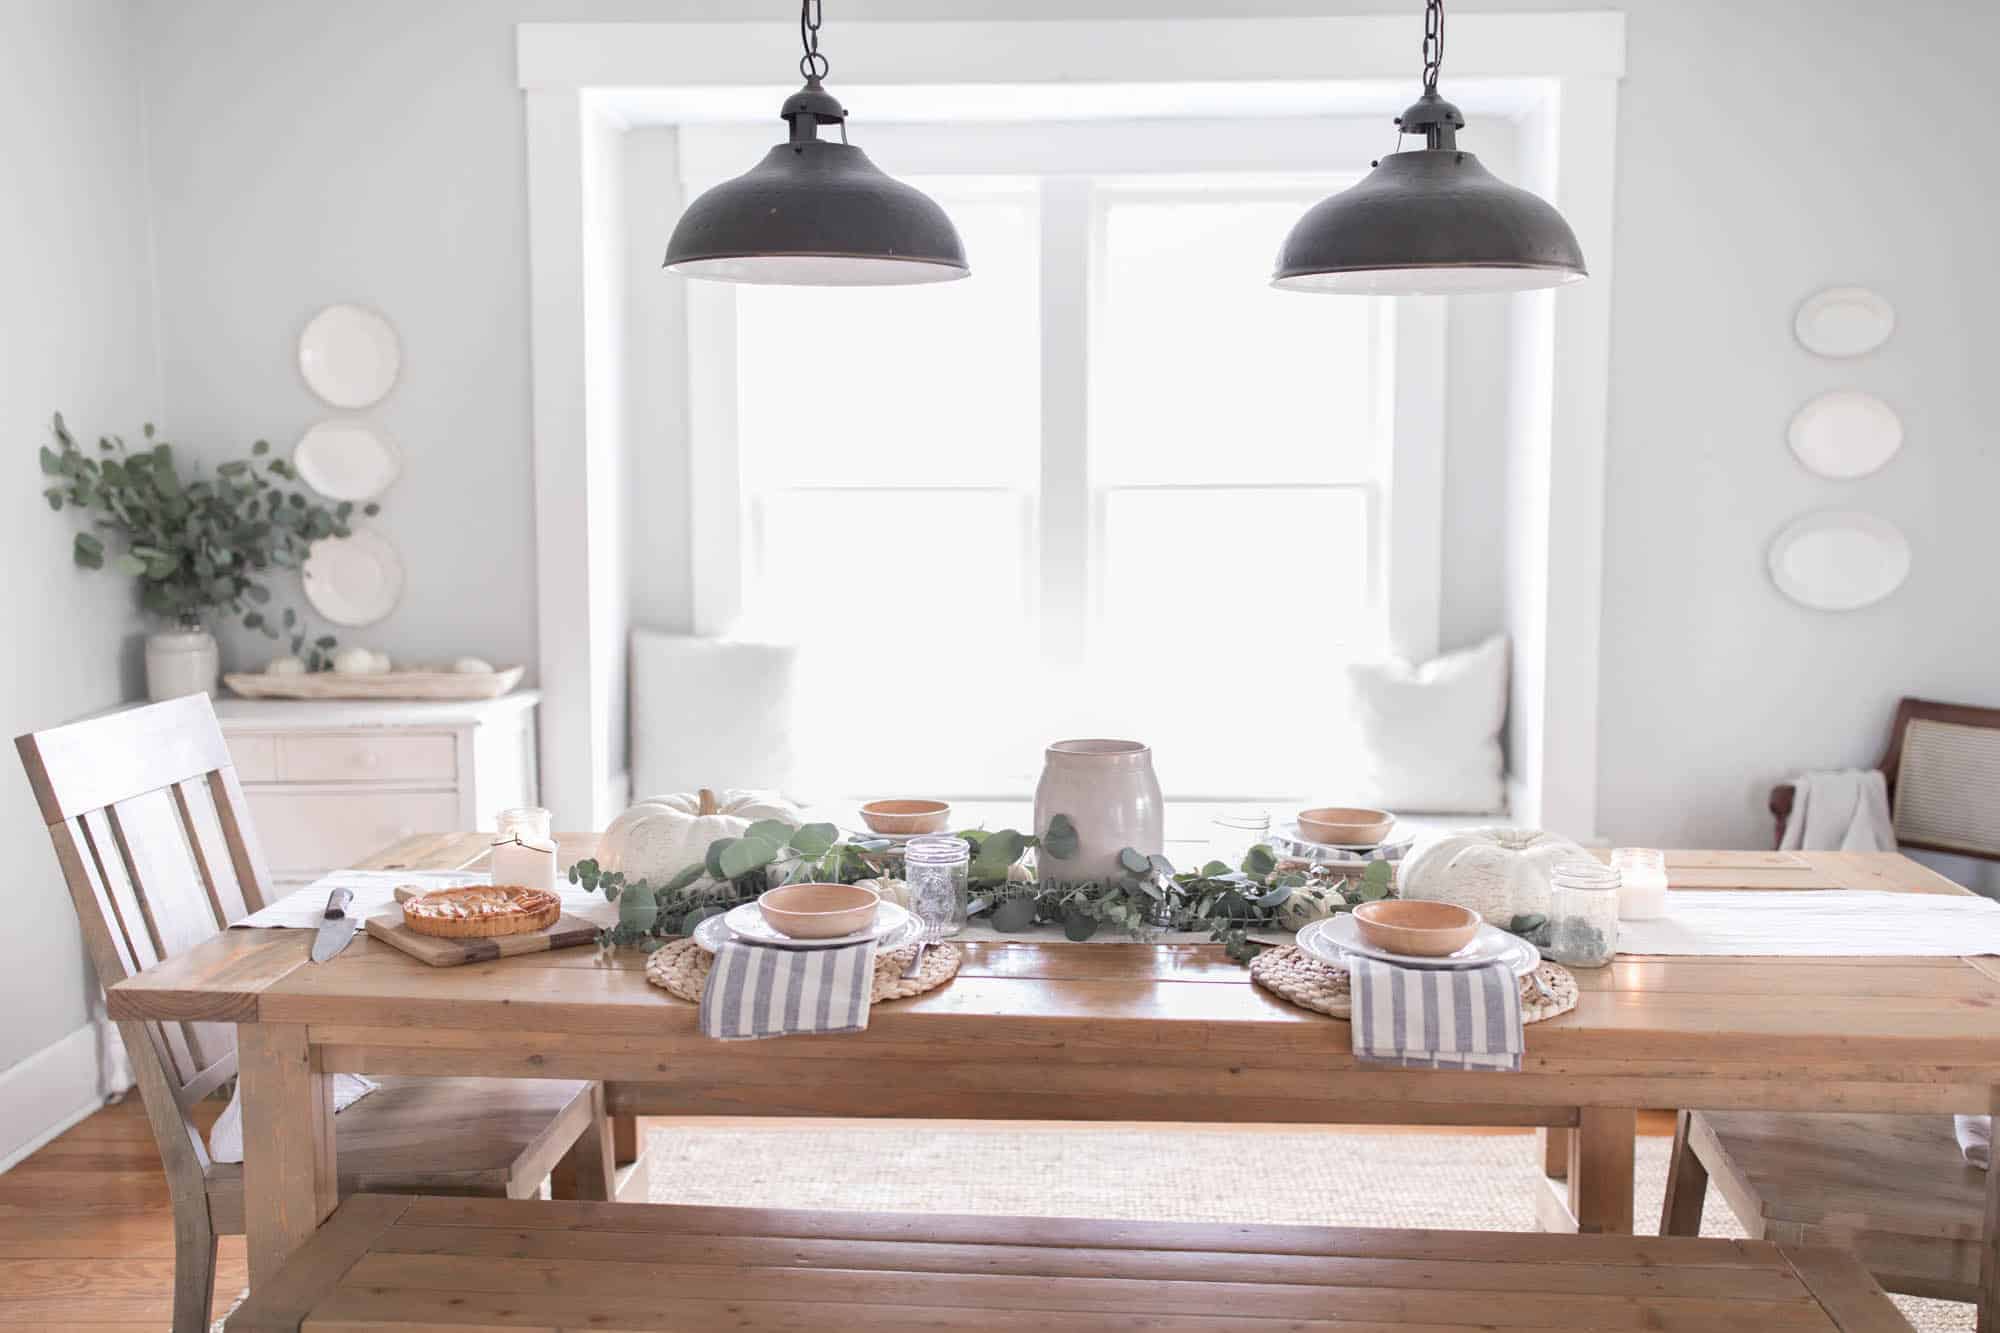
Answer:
[(385, 1262)]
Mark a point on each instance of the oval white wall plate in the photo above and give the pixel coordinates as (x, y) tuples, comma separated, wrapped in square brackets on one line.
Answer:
[(350, 356), (1844, 321), (347, 460), (354, 580), (1845, 434), (1839, 560)]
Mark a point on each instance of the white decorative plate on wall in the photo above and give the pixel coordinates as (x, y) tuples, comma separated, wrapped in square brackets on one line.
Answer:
[(1840, 560), (354, 580), (347, 460), (1844, 321), (1845, 434), (349, 356)]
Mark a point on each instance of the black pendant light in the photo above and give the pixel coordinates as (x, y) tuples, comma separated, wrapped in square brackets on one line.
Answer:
[(1433, 220), (815, 213)]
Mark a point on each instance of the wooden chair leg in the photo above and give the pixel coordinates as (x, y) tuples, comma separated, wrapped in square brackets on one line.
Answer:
[(587, 1171), (1687, 1184), (194, 1271)]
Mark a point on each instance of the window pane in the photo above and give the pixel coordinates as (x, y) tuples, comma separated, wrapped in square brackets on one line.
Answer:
[(900, 385), (1202, 372)]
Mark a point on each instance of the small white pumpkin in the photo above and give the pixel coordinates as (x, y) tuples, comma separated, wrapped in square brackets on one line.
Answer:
[(285, 666), (354, 662), (892, 890), (473, 666), (1500, 873), (660, 836)]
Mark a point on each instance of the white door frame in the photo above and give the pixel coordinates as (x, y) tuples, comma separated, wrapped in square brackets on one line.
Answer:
[(587, 83)]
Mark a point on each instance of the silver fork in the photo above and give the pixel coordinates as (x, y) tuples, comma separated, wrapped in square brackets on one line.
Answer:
[(932, 933)]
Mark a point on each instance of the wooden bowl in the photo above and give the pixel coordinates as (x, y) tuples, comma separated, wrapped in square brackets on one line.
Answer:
[(819, 911), (901, 818), (1422, 929), (1347, 825)]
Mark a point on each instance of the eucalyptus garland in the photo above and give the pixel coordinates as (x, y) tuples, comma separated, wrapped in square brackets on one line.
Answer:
[(1006, 883)]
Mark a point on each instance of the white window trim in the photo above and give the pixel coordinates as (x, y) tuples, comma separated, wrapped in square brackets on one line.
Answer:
[(584, 83)]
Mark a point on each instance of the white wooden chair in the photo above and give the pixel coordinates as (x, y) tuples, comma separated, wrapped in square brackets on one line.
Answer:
[(1893, 1189), (155, 843)]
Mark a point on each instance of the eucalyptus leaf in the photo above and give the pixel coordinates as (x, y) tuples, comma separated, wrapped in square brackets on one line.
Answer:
[(129, 565), (1014, 914), (1134, 862), (744, 855), (1214, 870), (713, 861), (1059, 840), (814, 839), (1275, 896), (1160, 864), (997, 854), (684, 877), (1079, 926), (774, 831)]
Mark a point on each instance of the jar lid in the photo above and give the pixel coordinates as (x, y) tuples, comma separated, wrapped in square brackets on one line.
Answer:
[(937, 849)]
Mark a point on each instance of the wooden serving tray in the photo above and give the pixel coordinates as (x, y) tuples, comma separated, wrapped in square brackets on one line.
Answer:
[(566, 933), (432, 685)]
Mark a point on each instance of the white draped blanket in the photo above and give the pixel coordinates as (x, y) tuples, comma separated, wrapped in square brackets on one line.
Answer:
[(1848, 923)]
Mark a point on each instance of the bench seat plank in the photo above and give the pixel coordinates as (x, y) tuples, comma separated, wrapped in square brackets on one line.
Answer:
[(422, 1265)]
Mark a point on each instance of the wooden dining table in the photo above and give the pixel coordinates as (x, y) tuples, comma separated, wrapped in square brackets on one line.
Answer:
[(1049, 1030)]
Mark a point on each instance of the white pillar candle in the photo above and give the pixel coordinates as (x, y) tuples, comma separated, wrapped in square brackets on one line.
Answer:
[(524, 853), (1642, 883)]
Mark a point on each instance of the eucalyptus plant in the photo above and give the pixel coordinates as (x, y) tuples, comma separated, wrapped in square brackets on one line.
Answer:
[(195, 543)]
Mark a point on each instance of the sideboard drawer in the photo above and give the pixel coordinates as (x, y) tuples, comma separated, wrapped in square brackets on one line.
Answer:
[(381, 757), (255, 756), (312, 830)]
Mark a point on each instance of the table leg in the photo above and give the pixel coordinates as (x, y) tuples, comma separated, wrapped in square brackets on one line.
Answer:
[(1600, 1170), (289, 1178), (1555, 1151), (625, 1139)]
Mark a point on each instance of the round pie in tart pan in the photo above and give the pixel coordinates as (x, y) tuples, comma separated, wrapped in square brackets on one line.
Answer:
[(482, 911)]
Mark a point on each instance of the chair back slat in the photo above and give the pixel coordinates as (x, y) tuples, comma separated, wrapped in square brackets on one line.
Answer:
[(128, 923), (103, 760), (153, 834)]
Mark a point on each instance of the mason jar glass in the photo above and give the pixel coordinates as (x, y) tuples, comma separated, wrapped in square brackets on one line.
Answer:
[(936, 868), (1233, 832), (1583, 914)]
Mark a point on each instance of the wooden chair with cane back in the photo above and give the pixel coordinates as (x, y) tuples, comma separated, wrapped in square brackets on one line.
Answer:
[(1942, 765), (156, 845)]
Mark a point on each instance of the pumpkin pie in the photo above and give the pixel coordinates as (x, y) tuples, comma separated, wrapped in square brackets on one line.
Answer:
[(481, 911)]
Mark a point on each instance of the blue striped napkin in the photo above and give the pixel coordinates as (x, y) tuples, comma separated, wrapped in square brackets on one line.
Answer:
[(1436, 1018), (772, 990)]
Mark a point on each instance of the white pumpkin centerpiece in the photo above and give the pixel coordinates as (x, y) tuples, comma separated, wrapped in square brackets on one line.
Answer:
[(660, 836), (1500, 873)]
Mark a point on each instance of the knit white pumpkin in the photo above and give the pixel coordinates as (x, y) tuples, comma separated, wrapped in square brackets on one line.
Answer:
[(662, 835), (1499, 873)]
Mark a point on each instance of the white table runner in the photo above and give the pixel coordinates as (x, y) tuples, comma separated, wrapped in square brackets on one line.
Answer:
[(1827, 922), (375, 891)]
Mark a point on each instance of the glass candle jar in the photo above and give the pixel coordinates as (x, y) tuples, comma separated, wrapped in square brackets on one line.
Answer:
[(1642, 882), (1232, 833), (1583, 914), (935, 868), (524, 852)]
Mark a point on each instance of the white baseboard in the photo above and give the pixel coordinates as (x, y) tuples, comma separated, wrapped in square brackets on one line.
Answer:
[(48, 1092)]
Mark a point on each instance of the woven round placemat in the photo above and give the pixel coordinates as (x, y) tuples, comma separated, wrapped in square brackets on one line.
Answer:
[(1292, 974), (680, 968)]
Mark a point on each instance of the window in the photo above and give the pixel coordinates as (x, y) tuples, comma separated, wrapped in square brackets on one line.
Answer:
[(1113, 484)]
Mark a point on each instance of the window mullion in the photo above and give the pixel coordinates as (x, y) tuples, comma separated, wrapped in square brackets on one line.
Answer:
[(1063, 491)]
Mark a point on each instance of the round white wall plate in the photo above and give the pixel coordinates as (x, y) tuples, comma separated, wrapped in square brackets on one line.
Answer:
[(347, 460), (354, 580), (350, 356), (1845, 434), (1844, 321), (1839, 560)]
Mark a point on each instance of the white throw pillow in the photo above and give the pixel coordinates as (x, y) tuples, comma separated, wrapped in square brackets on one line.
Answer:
[(1430, 733)]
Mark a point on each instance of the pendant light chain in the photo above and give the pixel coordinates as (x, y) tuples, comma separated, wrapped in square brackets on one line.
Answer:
[(812, 64), (1433, 43)]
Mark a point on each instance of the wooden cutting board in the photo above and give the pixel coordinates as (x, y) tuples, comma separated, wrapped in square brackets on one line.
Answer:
[(566, 933)]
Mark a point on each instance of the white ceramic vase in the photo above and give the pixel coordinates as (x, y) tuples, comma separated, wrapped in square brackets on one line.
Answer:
[(1108, 790), (181, 661)]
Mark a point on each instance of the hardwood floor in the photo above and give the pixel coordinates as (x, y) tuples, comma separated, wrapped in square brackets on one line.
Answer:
[(86, 1230)]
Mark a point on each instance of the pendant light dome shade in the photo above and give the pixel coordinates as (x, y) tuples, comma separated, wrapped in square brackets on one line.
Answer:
[(816, 213), (1432, 220)]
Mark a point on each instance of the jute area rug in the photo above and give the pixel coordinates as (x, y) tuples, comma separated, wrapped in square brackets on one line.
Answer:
[(1173, 1173)]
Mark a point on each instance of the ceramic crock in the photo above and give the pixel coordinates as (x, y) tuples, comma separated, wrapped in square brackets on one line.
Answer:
[(1108, 790)]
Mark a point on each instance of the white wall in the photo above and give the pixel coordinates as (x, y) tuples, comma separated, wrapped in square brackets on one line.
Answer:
[(76, 336), (372, 151)]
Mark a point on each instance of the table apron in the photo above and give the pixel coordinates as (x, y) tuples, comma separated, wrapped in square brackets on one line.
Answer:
[(818, 1078)]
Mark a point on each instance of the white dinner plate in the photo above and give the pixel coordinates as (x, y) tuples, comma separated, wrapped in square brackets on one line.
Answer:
[(1844, 321), (354, 580), (1838, 560), (347, 460), (350, 356), (1845, 434), (1332, 939), (894, 927)]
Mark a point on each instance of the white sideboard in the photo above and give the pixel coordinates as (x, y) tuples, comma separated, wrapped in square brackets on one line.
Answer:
[(331, 782)]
